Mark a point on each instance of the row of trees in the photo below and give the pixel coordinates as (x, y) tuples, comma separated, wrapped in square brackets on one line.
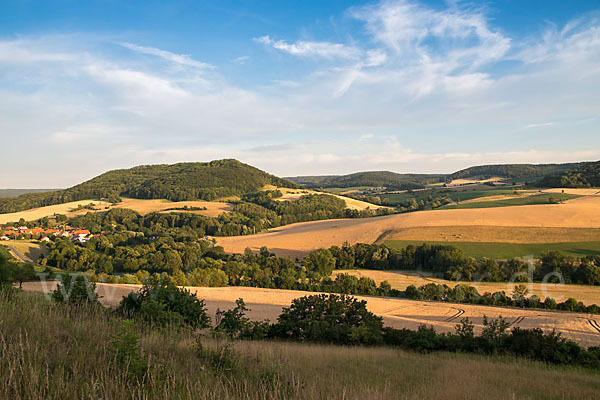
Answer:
[(470, 295)]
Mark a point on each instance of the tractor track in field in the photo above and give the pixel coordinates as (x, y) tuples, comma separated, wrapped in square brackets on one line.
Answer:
[(455, 316), (517, 321), (594, 325)]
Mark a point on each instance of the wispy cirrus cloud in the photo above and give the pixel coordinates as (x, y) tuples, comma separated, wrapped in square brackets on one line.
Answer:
[(180, 59), (312, 49)]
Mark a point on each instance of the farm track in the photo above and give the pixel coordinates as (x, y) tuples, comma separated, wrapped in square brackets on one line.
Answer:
[(455, 316), (594, 325), (517, 321), (19, 255)]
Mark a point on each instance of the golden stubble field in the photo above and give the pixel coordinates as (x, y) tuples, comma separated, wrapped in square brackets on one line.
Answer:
[(297, 240), (213, 208), (398, 313), (295, 194)]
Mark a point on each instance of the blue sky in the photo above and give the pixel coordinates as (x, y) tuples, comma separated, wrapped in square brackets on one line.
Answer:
[(295, 87)]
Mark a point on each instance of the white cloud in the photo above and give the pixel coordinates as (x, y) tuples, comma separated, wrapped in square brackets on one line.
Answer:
[(540, 125), (312, 49), (181, 59)]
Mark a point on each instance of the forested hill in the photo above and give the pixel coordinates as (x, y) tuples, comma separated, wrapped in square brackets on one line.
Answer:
[(586, 176), (177, 182), (392, 180), (372, 179), (514, 171)]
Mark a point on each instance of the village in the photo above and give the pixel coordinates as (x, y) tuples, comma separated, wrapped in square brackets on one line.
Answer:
[(24, 232)]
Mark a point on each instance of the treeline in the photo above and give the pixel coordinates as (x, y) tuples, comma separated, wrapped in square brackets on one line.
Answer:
[(469, 295), (585, 176), (177, 182), (451, 263)]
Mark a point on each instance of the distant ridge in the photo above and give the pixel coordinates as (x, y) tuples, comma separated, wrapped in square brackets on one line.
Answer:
[(176, 182), (370, 178), (515, 171), (397, 181), (18, 192)]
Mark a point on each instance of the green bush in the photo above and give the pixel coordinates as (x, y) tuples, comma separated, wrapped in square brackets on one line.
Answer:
[(126, 349), (75, 289), (161, 302), (329, 318)]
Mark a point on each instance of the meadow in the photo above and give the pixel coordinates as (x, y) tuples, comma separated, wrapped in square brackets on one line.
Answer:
[(56, 351)]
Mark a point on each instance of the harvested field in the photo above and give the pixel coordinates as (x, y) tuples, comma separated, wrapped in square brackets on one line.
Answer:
[(213, 208), (41, 212), (400, 280), (580, 192), (295, 194), (457, 182), (398, 313), (297, 240), (505, 234)]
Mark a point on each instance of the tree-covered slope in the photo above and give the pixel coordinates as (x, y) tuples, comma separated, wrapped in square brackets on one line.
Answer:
[(371, 178), (177, 182), (585, 176), (514, 171)]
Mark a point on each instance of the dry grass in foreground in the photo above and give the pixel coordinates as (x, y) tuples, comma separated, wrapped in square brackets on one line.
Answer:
[(61, 352)]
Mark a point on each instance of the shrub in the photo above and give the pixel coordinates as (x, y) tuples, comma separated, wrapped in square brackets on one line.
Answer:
[(126, 349), (329, 318), (75, 289), (161, 302)]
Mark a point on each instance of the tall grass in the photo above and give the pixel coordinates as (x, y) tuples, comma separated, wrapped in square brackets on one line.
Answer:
[(51, 351)]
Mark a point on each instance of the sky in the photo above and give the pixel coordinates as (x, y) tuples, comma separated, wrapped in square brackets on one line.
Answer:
[(295, 87)]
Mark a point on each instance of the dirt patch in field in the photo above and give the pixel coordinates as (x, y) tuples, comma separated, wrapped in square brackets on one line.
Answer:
[(297, 240), (503, 234), (398, 313)]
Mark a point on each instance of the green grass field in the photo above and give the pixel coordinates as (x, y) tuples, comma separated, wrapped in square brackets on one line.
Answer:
[(499, 250), (51, 351), (523, 201)]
